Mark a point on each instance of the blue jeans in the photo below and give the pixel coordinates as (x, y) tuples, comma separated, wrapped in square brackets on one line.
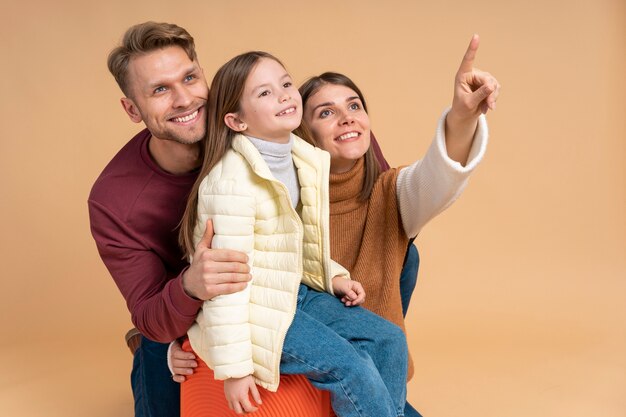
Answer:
[(156, 394), (408, 280), (408, 277), (358, 356)]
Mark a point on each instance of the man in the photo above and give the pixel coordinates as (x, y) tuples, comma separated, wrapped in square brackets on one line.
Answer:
[(137, 202)]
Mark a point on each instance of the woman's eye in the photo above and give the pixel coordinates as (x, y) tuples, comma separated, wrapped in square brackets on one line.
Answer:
[(189, 78), (325, 113), (354, 106)]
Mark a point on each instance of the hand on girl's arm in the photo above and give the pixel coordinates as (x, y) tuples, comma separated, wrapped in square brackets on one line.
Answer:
[(350, 292), (475, 92), (215, 272), (182, 363), (236, 391)]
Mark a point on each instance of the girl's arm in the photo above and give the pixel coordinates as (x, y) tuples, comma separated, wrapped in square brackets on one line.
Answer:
[(428, 186), (222, 335)]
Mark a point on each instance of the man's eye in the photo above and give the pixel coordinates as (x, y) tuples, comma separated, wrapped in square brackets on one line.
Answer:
[(159, 89)]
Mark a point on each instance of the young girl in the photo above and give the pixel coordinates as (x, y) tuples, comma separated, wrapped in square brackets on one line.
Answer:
[(266, 192)]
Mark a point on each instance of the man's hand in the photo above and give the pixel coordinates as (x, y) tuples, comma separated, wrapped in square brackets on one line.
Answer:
[(351, 292), (215, 272), (475, 92), (236, 391), (183, 363)]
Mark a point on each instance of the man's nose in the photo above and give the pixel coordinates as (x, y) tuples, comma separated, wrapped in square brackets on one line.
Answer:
[(182, 97)]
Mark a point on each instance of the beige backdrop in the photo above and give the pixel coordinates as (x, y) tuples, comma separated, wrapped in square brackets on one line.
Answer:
[(519, 308)]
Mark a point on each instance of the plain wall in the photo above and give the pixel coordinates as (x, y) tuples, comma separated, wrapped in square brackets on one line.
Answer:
[(520, 305)]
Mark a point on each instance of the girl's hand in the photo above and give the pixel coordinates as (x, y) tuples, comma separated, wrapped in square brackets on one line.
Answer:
[(351, 292), (236, 391)]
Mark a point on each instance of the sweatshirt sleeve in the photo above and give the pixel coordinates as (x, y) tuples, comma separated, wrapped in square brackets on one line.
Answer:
[(224, 320), (429, 186), (159, 306)]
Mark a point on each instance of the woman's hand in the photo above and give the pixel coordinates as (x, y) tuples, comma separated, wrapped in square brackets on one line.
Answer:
[(351, 292), (236, 391), (475, 93), (183, 363)]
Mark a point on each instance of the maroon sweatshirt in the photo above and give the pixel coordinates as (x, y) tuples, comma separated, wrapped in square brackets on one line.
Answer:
[(134, 211)]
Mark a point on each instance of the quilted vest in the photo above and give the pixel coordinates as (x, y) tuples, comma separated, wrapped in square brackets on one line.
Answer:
[(243, 333)]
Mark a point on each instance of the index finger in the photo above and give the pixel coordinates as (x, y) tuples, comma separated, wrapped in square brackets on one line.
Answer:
[(468, 59)]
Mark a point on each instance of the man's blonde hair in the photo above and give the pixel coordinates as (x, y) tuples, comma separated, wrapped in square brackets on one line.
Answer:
[(143, 38)]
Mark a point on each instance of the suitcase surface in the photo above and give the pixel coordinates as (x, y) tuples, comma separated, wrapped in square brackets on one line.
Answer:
[(202, 396)]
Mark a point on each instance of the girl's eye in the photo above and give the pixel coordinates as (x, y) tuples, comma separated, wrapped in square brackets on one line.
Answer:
[(264, 93), (287, 84), (325, 113)]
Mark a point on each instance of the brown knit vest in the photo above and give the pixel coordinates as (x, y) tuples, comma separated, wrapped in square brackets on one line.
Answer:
[(368, 239)]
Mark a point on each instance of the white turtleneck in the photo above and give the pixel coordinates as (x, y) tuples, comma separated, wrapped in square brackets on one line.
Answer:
[(278, 158)]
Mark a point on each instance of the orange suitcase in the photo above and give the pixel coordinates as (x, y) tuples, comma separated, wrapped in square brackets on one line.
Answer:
[(203, 396)]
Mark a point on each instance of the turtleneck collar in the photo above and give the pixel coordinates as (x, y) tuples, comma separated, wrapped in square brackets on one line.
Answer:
[(278, 158), (272, 150), (345, 188)]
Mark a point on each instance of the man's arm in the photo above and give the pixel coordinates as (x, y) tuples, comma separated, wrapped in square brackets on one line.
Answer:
[(160, 308)]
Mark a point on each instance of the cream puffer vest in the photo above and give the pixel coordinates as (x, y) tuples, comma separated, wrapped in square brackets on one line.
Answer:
[(242, 334)]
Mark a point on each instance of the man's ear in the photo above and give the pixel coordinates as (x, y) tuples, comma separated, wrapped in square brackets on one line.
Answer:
[(233, 121), (131, 109)]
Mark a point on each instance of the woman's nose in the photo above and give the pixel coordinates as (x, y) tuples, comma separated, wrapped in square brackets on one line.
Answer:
[(346, 118)]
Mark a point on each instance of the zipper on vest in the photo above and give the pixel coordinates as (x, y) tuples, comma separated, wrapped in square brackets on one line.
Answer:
[(300, 237), (324, 219)]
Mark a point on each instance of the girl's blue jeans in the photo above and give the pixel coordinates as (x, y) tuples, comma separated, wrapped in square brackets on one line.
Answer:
[(359, 357)]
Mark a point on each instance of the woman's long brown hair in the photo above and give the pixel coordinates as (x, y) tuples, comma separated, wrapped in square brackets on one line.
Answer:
[(312, 86), (224, 97)]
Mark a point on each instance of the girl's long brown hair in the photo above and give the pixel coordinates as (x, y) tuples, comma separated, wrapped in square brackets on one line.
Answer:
[(224, 97), (312, 86)]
